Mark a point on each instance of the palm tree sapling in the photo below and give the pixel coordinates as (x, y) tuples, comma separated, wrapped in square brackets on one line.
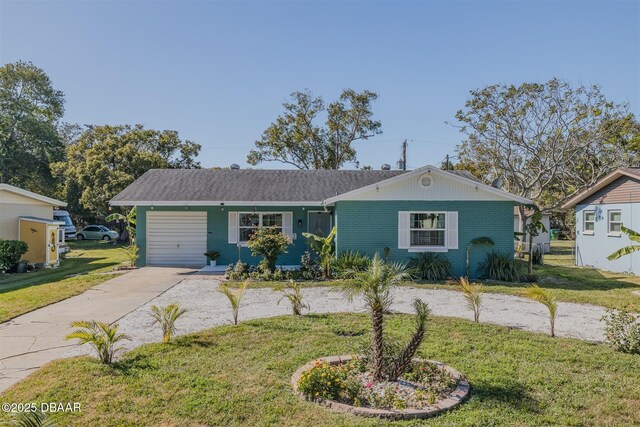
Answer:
[(166, 317), (294, 295), (472, 292), (546, 297), (235, 297), (101, 336)]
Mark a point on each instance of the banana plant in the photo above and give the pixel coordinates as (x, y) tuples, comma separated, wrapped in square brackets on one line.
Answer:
[(323, 246), (129, 220), (634, 237)]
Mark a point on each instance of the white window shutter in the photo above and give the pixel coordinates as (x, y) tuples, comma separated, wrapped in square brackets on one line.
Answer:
[(403, 230), (233, 227), (452, 230), (287, 224)]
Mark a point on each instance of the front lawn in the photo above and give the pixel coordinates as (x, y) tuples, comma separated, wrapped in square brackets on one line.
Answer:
[(82, 269), (240, 376), (570, 283)]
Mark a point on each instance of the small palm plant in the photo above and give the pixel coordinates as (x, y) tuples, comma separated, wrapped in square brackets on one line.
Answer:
[(33, 419), (166, 317), (375, 285), (101, 336), (634, 237), (131, 252), (546, 297), (294, 295), (472, 292), (235, 297)]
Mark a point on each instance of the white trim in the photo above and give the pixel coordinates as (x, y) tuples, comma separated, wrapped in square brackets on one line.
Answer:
[(427, 249), (323, 212), (584, 222), (31, 195), (43, 220), (260, 214), (434, 171), (432, 248), (609, 232), (220, 203)]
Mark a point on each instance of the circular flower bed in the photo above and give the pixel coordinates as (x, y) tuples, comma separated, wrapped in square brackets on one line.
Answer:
[(342, 383)]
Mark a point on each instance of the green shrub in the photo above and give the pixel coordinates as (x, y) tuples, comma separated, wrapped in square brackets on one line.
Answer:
[(622, 331), (11, 252), (268, 243), (309, 269), (99, 335), (430, 266), (502, 267), (350, 262)]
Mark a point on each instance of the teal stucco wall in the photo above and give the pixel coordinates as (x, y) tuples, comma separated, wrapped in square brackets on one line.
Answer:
[(217, 232), (369, 226)]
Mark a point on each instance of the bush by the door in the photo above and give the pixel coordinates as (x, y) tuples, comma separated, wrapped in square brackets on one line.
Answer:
[(11, 252)]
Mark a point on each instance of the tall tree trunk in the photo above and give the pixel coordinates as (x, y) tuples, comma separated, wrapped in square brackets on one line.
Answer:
[(377, 351), (522, 212), (530, 236)]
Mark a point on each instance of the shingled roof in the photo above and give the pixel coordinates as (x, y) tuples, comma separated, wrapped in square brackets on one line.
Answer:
[(249, 185)]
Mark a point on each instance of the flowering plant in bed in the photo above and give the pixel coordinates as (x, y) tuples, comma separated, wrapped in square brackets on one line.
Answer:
[(348, 382)]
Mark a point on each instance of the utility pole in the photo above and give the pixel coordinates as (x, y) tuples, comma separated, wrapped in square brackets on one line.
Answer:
[(402, 163), (446, 165)]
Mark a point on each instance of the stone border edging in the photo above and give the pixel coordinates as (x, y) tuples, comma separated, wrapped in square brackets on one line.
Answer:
[(455, 398)]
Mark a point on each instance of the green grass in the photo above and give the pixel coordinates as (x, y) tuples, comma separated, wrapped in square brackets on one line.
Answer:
[(568, 282), (239, 376), (81, 270)]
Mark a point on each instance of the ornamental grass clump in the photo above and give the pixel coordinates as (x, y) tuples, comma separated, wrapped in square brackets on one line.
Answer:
[(430, 266), (166, 317)]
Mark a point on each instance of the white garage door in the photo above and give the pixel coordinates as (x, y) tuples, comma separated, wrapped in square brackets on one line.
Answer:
[(176, 238)]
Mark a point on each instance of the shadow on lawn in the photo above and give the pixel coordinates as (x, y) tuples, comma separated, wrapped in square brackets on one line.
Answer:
[(514, 396), (133, 366), (75, 266)]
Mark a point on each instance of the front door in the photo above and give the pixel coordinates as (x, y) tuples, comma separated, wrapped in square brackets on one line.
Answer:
[(320, 223)]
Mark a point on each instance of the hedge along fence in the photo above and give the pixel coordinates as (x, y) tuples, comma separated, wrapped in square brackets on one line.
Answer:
[(11, 252)]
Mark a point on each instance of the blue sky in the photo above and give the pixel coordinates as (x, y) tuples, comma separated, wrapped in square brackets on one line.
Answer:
[(218, 72)]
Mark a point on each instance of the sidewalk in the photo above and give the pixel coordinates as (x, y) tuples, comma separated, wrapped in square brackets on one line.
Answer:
[(36, 338)]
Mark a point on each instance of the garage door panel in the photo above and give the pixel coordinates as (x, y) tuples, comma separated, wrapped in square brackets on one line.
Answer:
[(176, 238)]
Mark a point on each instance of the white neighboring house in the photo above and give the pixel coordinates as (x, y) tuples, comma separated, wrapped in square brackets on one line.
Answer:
[(542, 240)]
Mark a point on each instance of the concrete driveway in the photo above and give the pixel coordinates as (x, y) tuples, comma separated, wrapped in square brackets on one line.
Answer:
[(34, 339)]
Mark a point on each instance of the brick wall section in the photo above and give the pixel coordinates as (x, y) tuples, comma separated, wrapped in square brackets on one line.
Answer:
[(369, 226)]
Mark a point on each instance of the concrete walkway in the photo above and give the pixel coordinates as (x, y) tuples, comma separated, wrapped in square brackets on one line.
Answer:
[(33, 339), (208, 308)]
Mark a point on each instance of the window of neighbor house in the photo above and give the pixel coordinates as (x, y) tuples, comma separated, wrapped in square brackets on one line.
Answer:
[(427, 229), (248, 222), (615, 223), (589, 222)]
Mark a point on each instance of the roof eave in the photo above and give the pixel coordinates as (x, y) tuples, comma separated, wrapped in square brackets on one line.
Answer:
[(613, 176), (212, 203), (32, 195)]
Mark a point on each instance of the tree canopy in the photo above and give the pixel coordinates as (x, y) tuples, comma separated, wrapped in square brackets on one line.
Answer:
[(30, 109), (297, 139), (103, 160), (548, 141)]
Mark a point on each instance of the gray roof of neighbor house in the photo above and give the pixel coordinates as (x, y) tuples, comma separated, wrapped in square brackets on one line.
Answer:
[(250, 185)]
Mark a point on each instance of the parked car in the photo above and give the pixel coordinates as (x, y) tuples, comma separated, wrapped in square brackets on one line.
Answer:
[(97, 232)]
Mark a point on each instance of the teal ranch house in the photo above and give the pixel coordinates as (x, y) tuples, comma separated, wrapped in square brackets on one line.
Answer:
[(182, 213)]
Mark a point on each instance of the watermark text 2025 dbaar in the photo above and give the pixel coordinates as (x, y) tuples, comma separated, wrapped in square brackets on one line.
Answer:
[(42, 407)]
